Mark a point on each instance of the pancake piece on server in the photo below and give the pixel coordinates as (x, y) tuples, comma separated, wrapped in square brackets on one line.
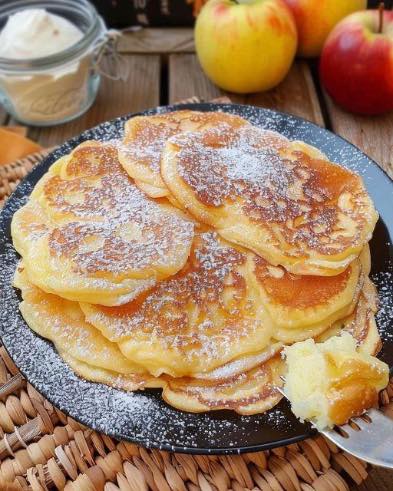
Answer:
[(205, 316), (145, 137), (89, 234), (331, 382), (272, 196), (344, 378), (305, 306)]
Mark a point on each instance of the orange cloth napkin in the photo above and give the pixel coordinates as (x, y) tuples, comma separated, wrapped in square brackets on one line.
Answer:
[(14, 144)]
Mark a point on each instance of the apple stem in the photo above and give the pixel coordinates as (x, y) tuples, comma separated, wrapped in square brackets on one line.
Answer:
[(380, 10)]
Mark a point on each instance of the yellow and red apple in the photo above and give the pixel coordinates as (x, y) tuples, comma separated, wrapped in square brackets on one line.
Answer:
[(245, 45), (316, 18), (356, 66)]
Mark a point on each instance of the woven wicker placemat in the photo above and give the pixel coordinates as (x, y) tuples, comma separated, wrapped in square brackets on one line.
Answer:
[(42, 449)]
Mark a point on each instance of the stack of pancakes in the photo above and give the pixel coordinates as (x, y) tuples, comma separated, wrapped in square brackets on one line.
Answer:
[(186, 256)]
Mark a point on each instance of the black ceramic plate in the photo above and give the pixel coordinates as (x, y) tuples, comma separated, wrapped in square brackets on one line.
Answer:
[(143, 417)]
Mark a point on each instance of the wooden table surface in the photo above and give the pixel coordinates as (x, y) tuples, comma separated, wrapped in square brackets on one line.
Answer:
[(163, 69)]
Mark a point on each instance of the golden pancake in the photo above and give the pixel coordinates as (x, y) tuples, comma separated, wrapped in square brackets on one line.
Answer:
[(90, 185), (258, 190), (128, 382), (361, 323), (30, 235), (303, 307), (63, 323), (95, 358), (247, 393), (145, 137), (205, 316), (89, 234)]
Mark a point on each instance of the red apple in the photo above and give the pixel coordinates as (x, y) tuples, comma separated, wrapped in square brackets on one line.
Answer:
[(357, 62)]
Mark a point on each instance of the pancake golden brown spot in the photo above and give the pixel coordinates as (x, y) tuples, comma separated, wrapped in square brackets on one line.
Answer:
[(145, 137), (101, 239), (205, 316), (294, 209)]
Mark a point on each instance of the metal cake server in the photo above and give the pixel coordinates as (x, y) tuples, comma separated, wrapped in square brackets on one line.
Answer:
[(371, 441)]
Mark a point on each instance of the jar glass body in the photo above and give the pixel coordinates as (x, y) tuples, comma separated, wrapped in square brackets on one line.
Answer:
[(56, 88)]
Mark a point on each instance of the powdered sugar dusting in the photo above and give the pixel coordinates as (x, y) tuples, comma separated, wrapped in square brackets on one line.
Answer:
[(145, 139), (311, 203), (112, 227), (200, 315), (244, 160), (384, 316)]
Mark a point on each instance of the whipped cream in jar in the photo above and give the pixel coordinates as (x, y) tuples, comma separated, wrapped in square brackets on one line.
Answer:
[(47, 59)]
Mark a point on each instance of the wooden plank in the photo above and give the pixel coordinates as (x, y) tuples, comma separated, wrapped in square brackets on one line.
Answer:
[(374, 135), (296, 94), (157, 40), (140, 91), (186, 79)]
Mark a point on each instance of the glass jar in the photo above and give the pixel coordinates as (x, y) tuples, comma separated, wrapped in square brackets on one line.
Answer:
[(60, 87)]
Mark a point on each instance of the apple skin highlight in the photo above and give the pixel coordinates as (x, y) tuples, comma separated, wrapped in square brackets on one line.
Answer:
[(316, 18), (356, 65), (246, 46)]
